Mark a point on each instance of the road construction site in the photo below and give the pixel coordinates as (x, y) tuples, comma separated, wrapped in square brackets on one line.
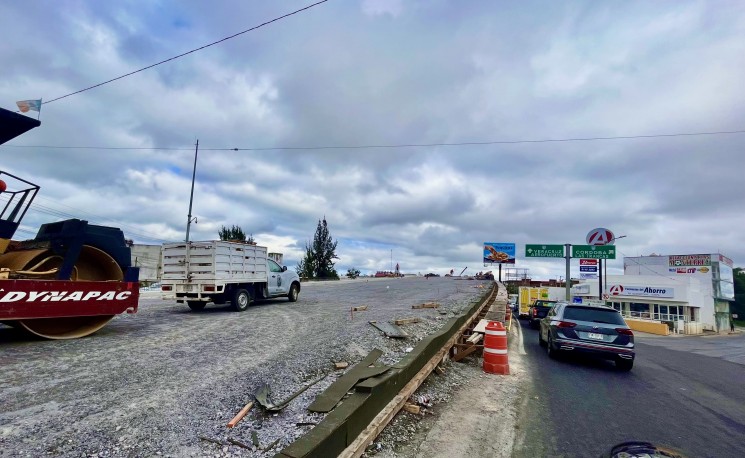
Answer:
[(167, 380)]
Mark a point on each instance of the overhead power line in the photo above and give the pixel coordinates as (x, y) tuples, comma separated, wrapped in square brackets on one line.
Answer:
[(389, 146), (187, 53)]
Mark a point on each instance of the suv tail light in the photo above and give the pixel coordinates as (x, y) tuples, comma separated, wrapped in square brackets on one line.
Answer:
[(625, 332), (535, 312), (566, 324)]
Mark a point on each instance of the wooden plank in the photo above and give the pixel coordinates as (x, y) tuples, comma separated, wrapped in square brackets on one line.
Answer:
[(360, 308), (413, 408), (426, 305), (463, 353), (240, 415), (467, 345), (341, 365), (481, 327), (407, 321)]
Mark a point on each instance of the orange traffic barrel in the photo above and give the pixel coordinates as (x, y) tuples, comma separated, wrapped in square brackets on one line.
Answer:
[(495, 349)]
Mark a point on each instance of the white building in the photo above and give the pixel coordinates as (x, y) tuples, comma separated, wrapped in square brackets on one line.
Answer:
[(692, 292)]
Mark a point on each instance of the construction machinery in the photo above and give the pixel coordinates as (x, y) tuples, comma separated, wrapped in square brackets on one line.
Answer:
[(72, 278)]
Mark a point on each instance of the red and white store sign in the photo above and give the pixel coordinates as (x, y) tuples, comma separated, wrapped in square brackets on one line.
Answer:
[(588, 262)]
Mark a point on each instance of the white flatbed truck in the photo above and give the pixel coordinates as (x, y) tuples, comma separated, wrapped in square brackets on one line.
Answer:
[(221, 272)]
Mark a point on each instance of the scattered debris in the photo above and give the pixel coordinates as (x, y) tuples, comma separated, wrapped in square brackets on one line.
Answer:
[(240, 415), (306, 423), (390, 330), (360, 308), (423, 400), (341, 365), (475, 338), (413, 408), (272, 445), (209, 439), (238, 443), (439, 370), (426, 305), (408, 349), (263, 393), (407, 321), (255, 439)]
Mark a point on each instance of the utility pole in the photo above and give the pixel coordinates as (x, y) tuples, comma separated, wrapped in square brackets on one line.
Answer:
[(568, 256), (191, 198)]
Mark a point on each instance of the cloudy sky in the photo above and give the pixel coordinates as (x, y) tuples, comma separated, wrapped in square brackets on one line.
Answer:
[(388, 72)]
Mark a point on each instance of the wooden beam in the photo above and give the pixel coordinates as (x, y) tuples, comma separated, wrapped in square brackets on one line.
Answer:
[(463, 353), (407, 321), (240, 415), (426, 305), (412, 408)]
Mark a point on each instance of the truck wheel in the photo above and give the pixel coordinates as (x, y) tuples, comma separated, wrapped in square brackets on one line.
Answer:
[(241, 300), (294, 292), (196, 305)]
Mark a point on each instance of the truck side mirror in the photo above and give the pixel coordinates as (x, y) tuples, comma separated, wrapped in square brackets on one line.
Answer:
[(284, 268)]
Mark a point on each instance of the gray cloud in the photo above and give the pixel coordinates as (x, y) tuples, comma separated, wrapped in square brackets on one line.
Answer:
[(374, 73)]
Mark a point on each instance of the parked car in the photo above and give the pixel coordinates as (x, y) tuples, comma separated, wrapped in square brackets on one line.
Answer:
[(538, 311), (598, 331)]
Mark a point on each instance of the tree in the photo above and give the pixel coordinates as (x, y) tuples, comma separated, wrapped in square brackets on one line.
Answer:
[(353, 273), (305, 268), (318, 261), (234, 233)]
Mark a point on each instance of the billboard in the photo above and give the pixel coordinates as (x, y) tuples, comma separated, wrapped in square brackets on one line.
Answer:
[(499, 253), (641, 291), (690, 260)]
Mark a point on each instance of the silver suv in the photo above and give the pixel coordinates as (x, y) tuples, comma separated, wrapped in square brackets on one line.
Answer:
[(593, 330)]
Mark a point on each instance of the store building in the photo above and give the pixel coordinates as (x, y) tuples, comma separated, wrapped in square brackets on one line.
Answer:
[(688, 293)]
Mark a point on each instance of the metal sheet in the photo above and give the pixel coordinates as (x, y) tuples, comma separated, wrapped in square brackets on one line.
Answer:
[(390, 330)]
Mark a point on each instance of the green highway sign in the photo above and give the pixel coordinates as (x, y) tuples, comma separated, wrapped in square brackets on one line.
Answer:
[(594, 251), (544, 251)]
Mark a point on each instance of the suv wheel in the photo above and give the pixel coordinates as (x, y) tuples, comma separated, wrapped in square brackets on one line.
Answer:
[(552, 352), (624, 365)]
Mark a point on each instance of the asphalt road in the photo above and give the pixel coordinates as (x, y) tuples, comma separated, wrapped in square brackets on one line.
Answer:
[(675, 396)]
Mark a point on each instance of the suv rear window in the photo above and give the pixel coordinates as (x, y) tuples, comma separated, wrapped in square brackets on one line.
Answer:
[(594, 314)]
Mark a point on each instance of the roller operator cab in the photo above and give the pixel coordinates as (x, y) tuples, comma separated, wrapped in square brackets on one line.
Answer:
[(221, 272)]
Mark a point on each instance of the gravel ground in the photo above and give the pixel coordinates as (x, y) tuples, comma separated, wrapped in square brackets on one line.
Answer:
[(153, 383)]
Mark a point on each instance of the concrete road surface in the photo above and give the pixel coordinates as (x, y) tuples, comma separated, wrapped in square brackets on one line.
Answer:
[(683, 392)]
